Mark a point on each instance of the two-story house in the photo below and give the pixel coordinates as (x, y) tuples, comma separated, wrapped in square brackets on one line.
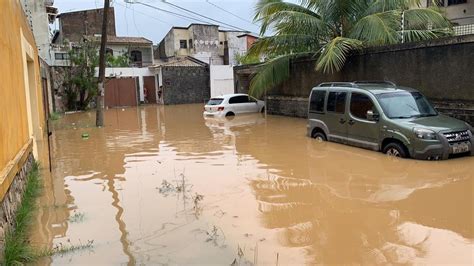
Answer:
[(205, 42)]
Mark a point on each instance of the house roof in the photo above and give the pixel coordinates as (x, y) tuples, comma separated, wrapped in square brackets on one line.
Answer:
[(121, 40), (187, 61)]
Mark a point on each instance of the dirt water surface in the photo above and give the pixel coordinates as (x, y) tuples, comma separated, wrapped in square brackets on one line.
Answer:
[(163, 185)]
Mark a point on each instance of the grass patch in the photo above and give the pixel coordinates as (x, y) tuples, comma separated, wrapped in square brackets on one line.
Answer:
[(17, 247), (54, 116)]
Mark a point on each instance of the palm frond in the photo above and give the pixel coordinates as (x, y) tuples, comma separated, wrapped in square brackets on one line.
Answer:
[(420, 35), (265, 11), (422, 18), (298, 22), (284, 44), (378, 28), (271, 73), (334, 54)]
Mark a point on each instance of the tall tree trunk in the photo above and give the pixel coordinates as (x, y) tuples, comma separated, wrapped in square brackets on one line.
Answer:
[(99, 119)]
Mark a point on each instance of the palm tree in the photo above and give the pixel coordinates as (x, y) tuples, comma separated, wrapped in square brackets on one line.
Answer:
[(330, 30)]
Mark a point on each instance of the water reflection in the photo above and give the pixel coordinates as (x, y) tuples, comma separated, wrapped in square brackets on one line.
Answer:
[(267, 188)]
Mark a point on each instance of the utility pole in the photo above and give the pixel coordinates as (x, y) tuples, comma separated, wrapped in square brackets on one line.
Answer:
[(99, 118)]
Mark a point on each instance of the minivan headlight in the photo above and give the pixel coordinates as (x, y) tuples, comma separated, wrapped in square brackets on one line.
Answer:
[(469, 127), (423, 133)]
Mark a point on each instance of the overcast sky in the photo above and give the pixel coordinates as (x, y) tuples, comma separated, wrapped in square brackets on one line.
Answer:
[(140, 20)]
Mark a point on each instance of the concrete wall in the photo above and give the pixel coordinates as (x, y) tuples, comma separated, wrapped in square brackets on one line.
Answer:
[(38, 18), (185, 85), (221, 79), (74, 25), (22, 117), (440, 69)]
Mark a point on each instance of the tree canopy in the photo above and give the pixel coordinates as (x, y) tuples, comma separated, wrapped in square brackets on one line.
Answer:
[(330, 30)]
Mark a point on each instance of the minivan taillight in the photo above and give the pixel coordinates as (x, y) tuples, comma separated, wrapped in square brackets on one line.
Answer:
[(221, 108)]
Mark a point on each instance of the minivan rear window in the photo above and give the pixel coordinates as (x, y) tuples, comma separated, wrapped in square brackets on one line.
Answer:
[(215, 101), (336, 102), (316, 103)]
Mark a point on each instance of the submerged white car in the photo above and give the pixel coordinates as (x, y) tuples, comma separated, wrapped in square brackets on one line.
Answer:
[(232, 104)]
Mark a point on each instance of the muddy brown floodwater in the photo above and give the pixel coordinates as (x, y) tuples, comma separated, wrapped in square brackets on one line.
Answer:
[(163, 185)]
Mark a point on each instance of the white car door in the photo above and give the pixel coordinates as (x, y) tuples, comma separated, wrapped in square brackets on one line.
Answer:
[(237, 104)]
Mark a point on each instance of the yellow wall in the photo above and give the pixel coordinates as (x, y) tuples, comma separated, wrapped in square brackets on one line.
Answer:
[(21, 118)]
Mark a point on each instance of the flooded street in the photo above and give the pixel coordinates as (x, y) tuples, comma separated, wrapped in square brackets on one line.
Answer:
[(163, 185)]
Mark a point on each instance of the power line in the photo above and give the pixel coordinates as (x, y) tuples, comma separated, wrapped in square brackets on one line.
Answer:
[(209, 18), (152, 17), (171, 12), (227, 11)]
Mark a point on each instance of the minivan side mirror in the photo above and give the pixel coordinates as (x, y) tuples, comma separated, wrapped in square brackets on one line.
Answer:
[(371, 116)]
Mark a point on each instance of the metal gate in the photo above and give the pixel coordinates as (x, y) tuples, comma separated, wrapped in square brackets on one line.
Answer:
[(121, 92)]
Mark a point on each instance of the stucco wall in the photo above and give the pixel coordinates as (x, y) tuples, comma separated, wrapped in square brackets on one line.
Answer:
[(185, 85), (221, 79), (21, 104)]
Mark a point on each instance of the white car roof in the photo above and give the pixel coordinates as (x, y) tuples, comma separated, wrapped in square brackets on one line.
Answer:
[(226, 96)]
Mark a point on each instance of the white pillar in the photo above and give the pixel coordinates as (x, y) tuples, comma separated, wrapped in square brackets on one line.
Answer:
[(141, 90)]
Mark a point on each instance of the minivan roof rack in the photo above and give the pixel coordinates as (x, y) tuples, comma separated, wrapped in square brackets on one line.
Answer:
[(375, 82), (332, 84)]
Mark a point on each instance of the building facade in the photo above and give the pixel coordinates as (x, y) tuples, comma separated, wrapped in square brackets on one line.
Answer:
[(460, 12), (22, 115), (204, 42)]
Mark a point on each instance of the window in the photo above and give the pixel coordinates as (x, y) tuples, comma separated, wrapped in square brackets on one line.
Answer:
[(456, 2), (316, 103), (215, 101), (61, 56), (239, 99), (360, 104), (183, 44), (336, 102), (109, 51), (135, 56)]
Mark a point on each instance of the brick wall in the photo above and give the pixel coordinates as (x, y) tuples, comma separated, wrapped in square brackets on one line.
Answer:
[(185, 84), (74, 25)]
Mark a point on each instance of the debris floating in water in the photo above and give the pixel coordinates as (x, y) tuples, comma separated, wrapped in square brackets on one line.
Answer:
[(85, 135)]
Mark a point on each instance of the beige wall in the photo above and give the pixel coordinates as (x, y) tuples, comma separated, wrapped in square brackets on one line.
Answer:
[(21, 106), (461, 14)]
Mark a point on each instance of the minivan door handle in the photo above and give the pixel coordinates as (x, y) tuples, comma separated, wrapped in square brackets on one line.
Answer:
[(342, 121)]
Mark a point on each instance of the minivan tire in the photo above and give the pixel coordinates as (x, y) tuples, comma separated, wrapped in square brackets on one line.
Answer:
[(229, 114), (395, 149), (319, 136)]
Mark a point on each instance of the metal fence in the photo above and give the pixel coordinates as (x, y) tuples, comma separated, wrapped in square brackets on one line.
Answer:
[(463, 29)]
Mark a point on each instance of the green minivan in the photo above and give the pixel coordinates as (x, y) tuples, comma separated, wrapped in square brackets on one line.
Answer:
[(382, 116)]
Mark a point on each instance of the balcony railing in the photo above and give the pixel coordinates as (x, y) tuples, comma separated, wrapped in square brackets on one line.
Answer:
[(463, 29)]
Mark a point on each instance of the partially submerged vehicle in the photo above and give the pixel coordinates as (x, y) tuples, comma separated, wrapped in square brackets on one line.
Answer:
[(232, 104), (398, 121)]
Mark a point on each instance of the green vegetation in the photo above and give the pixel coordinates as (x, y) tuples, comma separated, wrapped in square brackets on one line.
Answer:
[(330, 30), (54, 116), (17, 248), (80, 85), (117, 61)]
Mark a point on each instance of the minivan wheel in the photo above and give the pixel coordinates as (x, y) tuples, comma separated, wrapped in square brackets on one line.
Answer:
[(395, 149), (319, 136), (230, 114)]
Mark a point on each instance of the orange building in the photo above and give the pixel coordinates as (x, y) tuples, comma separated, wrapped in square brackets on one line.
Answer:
[(22, 116)]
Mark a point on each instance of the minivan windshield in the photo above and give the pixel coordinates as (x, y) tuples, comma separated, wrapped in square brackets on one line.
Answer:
[(405, 104), (215, 101)]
